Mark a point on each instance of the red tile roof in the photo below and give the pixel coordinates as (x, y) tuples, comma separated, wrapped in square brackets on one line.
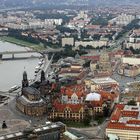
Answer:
[(130, 113), (91, 57), (58, 107), (116, 115), (120, 112), (93, 27), (107, 95), (122, 126), (79, 90), (97, 103), (134, 122)]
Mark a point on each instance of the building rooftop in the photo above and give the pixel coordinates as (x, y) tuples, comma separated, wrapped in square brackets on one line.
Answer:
[(43, 129), (93, 97), (28, 102), (31, 90), (72, 107), (104, 80), (77, 89), (125, 117)]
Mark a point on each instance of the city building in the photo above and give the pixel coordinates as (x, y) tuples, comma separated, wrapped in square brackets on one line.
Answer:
[(73, 94), (75, 71), (104, 83), (122, 19), (134, 40), (129, 70), (124, 123), (97, 101), (67, 41), (68, 112), (94, 44), (30, 102), (130, 60), (53, 21), (51, 131)]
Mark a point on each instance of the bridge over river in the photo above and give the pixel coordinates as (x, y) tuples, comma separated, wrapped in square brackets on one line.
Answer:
[(13, 53)]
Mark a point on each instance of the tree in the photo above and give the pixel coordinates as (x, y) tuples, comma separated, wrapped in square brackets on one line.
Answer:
[(132, 102), (81, 47), (87, 64), (131, 49), (106, 111), (89, 47), (87, 120), (96, 37), (97, 66)]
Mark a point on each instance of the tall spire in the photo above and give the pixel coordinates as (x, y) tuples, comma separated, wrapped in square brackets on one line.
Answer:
[(42, 76), (24, 75), (25, 82)]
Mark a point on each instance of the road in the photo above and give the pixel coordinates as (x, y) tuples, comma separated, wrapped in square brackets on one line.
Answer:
[(118, 43), (90, 133)]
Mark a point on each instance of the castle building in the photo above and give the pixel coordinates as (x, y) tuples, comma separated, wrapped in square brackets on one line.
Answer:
[(73, 94), (30, 102), (71, 112), (70, 105)]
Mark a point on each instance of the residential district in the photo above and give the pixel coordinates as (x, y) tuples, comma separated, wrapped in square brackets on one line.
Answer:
[(89, 90)]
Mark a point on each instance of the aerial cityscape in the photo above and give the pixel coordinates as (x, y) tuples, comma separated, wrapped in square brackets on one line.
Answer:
[(69, 70)]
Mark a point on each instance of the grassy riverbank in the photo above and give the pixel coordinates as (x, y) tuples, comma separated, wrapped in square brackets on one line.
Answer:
[(13, 40)]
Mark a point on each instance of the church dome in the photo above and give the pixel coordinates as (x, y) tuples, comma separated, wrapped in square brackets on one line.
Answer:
[(93, 97)]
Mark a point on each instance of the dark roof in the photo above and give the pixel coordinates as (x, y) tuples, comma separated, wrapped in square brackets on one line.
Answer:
[(45, 83), (27, 102), (31, 90)]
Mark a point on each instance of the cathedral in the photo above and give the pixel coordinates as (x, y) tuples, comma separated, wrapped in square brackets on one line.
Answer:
[(34, 99)]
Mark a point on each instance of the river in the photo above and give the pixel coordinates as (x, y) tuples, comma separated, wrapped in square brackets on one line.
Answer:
[(11, 71)]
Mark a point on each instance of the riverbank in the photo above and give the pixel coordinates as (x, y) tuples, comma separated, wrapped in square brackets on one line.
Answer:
[(11, 71), (22, 43)]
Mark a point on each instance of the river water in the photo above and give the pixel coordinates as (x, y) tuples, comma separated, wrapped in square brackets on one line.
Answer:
[(11, 71)]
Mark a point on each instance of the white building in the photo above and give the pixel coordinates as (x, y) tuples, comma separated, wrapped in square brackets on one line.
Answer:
[(94, 44), (122, 19), (67, 41), (131, 60), (53, 21)]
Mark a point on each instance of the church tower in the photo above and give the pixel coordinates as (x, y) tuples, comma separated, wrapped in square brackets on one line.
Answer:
[(25, 82), (42, 76)]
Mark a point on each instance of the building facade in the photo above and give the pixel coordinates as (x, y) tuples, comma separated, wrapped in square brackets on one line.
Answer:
[(124, 123)]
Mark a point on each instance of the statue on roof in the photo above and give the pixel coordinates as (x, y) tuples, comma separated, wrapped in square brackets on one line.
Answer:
[(4, 125), (42, 76)]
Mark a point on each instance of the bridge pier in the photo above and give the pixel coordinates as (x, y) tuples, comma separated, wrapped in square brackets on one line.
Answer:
[(0, 56)]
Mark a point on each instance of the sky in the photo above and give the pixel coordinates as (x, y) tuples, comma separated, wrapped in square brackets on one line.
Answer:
[(12, 3)]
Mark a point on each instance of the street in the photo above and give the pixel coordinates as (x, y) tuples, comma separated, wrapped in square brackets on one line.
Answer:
[(90, 133)]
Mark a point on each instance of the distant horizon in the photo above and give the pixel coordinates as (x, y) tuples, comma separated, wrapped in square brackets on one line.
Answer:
[(47, 3)]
